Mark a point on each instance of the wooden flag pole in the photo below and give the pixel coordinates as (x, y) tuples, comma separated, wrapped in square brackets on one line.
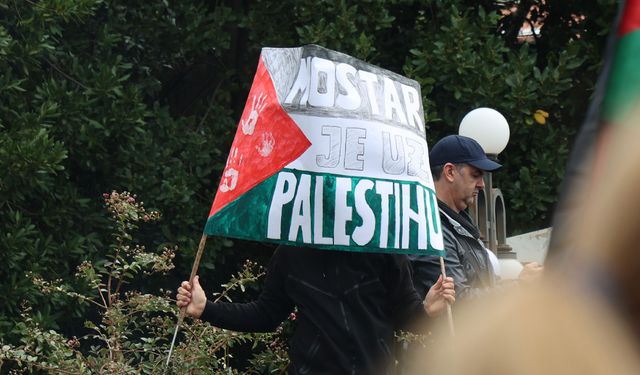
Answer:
[(183, 311), (449, 312)]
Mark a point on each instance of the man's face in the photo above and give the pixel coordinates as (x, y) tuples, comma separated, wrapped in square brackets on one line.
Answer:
[(467, 183)]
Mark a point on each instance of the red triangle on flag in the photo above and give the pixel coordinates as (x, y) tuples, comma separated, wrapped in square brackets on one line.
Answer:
[(630, 18), (267, 139)]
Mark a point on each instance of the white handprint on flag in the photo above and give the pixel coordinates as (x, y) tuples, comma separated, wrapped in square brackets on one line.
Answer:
[(258, 104), (230, 176), (229, 181), (267, 144)]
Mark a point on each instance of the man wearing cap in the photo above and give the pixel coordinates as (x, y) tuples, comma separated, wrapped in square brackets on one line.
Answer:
[(458, 164)]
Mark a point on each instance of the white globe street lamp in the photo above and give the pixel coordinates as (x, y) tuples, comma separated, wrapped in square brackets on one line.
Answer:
[(491, 130), (488, 127)]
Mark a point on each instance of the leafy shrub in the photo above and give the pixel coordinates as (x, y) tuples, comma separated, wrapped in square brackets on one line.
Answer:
[(463, 63), (88, 105), (133, 330)]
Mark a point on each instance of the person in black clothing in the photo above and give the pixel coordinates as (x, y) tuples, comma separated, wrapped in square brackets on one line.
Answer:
[(349, 305)]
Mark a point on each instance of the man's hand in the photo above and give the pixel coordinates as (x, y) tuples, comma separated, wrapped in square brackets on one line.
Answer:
[(531, 271), (441, 293), (193, 298)]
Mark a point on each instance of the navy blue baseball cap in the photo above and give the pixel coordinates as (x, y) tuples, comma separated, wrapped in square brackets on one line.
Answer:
[(458, 149)]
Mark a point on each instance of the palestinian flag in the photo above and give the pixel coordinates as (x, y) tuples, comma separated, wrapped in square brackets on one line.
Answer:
[(617, 92), (623, 86), (330, 152)]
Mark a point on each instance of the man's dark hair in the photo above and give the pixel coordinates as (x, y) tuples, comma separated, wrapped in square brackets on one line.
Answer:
[(436, 170)]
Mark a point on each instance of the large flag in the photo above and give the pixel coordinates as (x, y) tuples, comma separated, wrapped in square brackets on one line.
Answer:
[(330, 152), (617, 92)]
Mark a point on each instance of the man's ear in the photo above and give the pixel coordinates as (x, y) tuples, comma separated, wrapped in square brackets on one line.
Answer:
[(448, 171)]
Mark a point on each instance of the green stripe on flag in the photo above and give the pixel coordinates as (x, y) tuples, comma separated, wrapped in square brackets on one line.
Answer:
[(243, 217), (623, 88), (377, 215)]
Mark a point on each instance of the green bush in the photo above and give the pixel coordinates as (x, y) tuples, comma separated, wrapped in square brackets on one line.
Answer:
[(85, 89), (463, 62), (133, 330)]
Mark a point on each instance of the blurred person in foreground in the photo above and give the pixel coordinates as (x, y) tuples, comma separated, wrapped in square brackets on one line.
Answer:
[(458, 164), (584, 316), (349, 305)]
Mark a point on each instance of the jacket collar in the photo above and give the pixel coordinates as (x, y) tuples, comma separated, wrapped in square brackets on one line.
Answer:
[(456, 225)]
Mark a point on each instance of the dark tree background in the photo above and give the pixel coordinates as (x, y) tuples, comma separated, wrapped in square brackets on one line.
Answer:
[(99, 95)]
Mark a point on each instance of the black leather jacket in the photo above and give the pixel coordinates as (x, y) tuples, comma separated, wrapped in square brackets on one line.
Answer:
[(466, 261), (348, 307)]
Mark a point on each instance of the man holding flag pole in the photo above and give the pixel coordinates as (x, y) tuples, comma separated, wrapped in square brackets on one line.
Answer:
[(349, 305), (330, 161)]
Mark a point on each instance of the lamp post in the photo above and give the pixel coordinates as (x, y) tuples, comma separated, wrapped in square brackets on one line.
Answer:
[(491, 130)]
